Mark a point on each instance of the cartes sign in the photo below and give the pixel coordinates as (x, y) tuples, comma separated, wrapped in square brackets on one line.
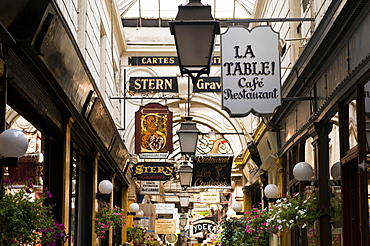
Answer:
[(153, 171), (161, 60), (212, 171), (250, 65)]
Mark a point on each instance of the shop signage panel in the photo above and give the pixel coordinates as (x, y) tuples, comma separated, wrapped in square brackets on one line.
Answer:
[(165, 226), (212, 171), (161, 61), (210, 197), (148, 220), (153, 131), (207, 224), (165, 208), (208, 84), (153, 84), (250, 71), (149, 187), (102, 122), (153, 171)]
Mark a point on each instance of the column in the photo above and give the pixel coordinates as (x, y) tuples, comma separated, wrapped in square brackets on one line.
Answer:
[(125, 208), (320, 134), (94, 192), (247, 193), (67, 173)]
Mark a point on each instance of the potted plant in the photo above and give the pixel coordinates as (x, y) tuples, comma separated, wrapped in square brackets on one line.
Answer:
[(336, 211), (108, 216), (247, 230), (25, 219), (284, 212), (138, 236), (295, 210), (257, 221)]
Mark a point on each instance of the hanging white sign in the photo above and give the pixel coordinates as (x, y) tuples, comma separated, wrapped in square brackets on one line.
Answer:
[(149, 187), (250, 65)]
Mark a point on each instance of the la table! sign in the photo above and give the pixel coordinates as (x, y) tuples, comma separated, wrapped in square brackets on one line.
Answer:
[(250, 65)]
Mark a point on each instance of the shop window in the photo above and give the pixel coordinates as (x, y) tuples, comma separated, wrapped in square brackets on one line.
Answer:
[(80, 204), (352, 124)]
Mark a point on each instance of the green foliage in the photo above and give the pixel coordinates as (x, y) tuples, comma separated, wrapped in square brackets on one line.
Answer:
[(290, 210), (239, 231), (25, 220), (106, 217), (138, 236)]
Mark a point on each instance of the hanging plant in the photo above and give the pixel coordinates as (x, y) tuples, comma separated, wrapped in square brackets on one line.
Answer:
[(106, 217), (25, 219)]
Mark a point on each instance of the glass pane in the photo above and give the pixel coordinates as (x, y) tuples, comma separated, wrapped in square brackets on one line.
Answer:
[(336, 216), (367, 115), (352, 124), (73, 208)]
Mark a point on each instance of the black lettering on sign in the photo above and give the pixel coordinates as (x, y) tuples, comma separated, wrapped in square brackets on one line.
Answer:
[(156, 84)]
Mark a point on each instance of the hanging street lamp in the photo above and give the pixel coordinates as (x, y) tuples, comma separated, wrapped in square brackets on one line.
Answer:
[(185, 172), (188, 136), (194, 30)]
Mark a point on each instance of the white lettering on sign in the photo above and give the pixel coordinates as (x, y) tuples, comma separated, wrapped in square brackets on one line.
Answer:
[(250, 65)]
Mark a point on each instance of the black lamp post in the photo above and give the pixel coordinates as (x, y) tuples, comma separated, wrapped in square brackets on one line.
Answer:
[(194, 29)]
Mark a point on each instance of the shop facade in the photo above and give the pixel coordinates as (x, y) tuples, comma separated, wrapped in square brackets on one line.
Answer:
[(323, 120), (47, 82)]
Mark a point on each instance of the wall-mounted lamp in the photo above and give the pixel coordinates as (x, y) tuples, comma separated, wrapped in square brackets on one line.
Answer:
[(335, 171), (105, 188), (13, 144), (271, 192), (302, 171), (134, 208), (237, 207), (140, 213)]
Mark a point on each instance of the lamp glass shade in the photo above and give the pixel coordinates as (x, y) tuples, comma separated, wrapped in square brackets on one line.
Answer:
[(302, 171), (188, 136), (140, 213), (134, 207), (194, 45), (194, 30), (13, 143), (212, 135), (271, 191), (335, 171), (237, 207), (183, 220), (105, 187), (185, 175), (184, 200)]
